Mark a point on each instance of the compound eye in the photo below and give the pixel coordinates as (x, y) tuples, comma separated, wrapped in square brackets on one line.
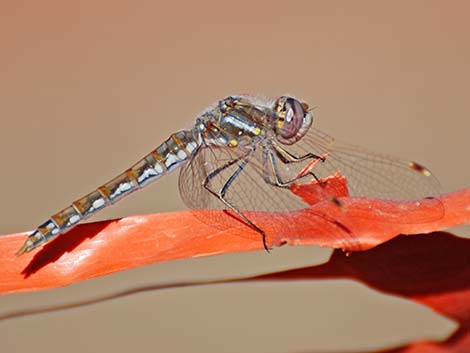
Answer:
[(293, 120)]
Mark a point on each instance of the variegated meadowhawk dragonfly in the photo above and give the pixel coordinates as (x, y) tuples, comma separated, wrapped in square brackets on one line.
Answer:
[(242, 155)]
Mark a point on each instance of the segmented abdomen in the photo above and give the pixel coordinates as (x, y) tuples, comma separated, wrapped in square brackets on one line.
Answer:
[(170, 154)]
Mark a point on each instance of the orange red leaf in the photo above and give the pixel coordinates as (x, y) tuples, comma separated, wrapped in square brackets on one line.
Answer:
[(96, 249)]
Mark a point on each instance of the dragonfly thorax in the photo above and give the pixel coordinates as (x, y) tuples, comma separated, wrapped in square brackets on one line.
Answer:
[(245, 120), (236, 122)]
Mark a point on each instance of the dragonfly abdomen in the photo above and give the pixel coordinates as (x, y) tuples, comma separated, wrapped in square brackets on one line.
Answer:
[(170, 154)]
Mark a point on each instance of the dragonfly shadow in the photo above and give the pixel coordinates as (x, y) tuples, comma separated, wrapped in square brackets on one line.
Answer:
[(67, 242), (416, 266), (432, 269)]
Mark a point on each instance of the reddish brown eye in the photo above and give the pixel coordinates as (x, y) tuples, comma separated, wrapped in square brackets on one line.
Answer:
[(292, 121)]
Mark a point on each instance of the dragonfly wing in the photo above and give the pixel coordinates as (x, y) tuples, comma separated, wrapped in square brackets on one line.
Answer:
[(248, 191), (368, 173)]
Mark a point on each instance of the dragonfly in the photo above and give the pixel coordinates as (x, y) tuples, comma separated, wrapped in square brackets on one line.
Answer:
[(243, 154)]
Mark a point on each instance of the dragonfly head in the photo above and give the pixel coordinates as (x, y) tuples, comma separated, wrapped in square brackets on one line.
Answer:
[(292, 120)]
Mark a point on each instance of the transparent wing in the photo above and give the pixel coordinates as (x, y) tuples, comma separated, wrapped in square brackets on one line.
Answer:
[(248, 191), (368, 173), (248, 179)]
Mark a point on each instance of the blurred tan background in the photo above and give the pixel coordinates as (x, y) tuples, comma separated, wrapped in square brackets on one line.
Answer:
[(87, 88)]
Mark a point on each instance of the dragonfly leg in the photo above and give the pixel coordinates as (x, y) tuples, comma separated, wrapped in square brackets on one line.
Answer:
[(287, 157), (220, 194), (278, 178), (286, 183), (278, 182)]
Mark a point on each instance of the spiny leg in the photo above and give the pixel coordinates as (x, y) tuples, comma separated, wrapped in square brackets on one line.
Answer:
[(278, 181), (221, 193), (286, 157)]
